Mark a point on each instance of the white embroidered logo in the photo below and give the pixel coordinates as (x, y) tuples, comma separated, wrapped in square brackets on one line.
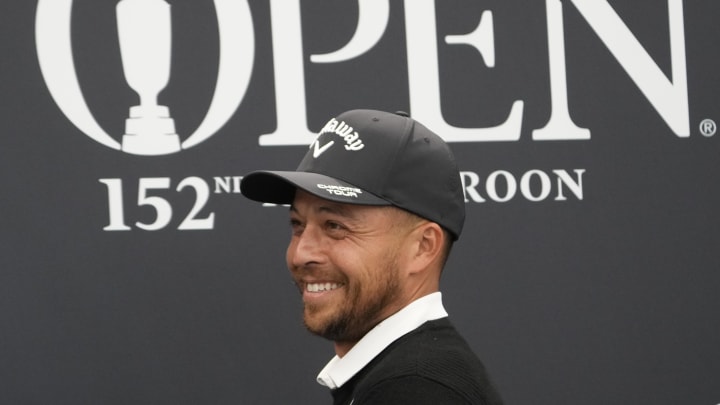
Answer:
[(318, 150), (340, 190), (345, 131)]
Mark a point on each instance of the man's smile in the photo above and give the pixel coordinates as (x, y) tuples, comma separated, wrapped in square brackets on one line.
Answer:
[(320, 287), (321, 293)]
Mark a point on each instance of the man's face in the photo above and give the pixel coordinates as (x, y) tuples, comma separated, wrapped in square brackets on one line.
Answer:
[(346, 261)]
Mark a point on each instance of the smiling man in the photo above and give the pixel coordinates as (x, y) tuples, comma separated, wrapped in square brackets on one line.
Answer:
[(375, 206)]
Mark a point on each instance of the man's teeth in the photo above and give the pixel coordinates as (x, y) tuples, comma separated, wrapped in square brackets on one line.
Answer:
[(317, 287)]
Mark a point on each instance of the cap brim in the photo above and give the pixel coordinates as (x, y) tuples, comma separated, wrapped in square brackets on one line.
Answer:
[(278, 187)]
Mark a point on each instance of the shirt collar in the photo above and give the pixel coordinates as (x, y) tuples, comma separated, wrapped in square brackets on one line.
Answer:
[(341, 369)]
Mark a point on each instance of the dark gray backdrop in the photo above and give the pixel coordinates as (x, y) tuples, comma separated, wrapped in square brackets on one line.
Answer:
[(611, 297)]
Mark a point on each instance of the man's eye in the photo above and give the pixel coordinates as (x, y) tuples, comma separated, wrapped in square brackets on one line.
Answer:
[(335, 229), (296, 226)]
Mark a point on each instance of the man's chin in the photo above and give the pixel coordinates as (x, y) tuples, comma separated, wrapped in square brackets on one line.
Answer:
[(328, 329)]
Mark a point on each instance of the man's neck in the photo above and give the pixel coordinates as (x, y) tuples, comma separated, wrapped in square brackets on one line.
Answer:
[(341, 348)]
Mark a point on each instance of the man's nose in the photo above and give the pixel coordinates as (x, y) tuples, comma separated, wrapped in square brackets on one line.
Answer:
[(305, 249)]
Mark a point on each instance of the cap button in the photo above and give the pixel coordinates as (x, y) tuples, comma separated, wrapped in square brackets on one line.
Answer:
[(402, 114)]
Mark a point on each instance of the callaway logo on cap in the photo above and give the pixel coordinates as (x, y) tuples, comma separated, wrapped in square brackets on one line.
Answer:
[(373, 158), (344, 131)]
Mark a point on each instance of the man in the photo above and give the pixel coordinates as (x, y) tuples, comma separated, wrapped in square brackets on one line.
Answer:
[(376, 204)]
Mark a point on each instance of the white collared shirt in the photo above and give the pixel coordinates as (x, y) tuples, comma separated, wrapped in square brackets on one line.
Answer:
[(341, 369)]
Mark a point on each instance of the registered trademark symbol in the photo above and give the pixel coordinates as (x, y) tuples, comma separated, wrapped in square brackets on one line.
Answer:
[(708, 127)]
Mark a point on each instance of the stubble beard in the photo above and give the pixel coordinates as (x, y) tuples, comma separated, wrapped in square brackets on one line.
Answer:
[(362, 310)]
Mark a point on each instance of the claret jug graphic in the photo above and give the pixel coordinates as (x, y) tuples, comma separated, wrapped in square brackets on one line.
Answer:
[(144, 36)]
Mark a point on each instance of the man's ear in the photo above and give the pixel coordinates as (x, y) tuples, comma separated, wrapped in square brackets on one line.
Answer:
[(429, 240)]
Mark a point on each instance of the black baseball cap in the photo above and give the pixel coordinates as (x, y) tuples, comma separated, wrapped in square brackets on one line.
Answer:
[(369, 157)]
